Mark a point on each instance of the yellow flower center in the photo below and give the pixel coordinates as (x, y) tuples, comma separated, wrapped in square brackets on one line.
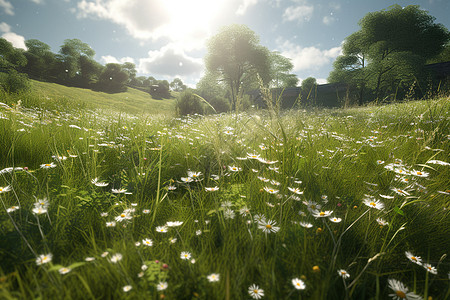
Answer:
[(255, 291), (47, 165), (1, 189), (268, 226), (122, 215), (413, 258), (419, 173), (321, 213), (373, 204), (400, 294), (313, 206)]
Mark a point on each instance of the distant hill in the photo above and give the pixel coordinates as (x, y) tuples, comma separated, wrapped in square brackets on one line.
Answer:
[(132, 101)]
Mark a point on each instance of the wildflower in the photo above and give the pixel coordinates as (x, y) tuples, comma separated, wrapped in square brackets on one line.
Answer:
[(5, 189), (211, 189), (104, 254), (438, 162), (400, 192), (296, 191), (104, 214), (185, 255), (228, 213), (111, 224), (147, 242), (268, 226), (187, 179), (213, 277), (401, 291), (244, 211), (124, 216), (270, 190), (335, 220), (430, 268), (312, 205), (226, 204), (255, 292), (194, 174), (48, 166), (198, 232), (413, 258), (386, 196), (97, 183), (162, 286), (43, 259), (12, 209), (274, 182), (382, 222), (234, 169), (146, 211), (119, 191), (171, 187), (89, 259), (321, 214), (401, 171), (39, 210), (116, 258), (316, 269), (173, 240), (298, 284), (372, 203), (419, 173), (174, 224), (162, 229), (253, 155), (305, 224), (64, 270), (343, 274), (44, 203), (127, 288), (380, 162)]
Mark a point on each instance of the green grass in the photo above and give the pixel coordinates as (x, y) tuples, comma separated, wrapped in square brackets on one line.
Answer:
[(332, 156), (132, 101)]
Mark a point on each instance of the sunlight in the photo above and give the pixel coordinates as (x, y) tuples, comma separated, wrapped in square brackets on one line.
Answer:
[(191, 20)]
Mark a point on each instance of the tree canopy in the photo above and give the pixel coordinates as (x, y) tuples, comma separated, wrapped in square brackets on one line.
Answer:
[(389, 51)]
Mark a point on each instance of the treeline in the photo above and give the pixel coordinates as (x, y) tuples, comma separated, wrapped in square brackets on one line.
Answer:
[(74, 65)]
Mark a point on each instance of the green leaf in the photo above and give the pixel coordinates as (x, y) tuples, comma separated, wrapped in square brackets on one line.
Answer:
[(399, 211)]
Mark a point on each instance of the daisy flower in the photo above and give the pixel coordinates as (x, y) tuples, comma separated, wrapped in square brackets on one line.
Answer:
[(382, 222), (268, 226), (48, 166), (127, 288), (194, 174), (228, 213), (321, 214), (401, 291), (119, 191), (296, 191), (305, 224), (124, 216), (419, 173), (43, 259), (372, 203), (234, 169), (97, 183), (255, 292), (161, 286), (5, 189), (298, 284), (39, 210), (244, 211), (343, 274), (174, 224), (312, 205), (253, 155), (335, 220), (213, 277), (270, 190), (413, 258), (211, 189), (187, 179), (146, 211), (438, 162), (185, 255), (430, 268), (12, 209), (111, 224), (400, 192), (147, 242), (116, 258), (162, 229), (64, 270)]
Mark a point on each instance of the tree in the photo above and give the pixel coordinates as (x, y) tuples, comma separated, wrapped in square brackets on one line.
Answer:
[(160, 89), (40, 60), (130, 69), (390, 49), (112, 79), (280, 67), (70, 55), (236, 56), (177, 85), (10, 57)]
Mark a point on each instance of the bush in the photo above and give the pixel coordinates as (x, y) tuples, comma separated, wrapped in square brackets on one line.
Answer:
[(15, 82), (188, 104)]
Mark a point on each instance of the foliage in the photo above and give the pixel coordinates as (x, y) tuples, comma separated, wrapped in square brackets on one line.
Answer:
[(113, 79), (188, 104), (177, 85), (10, 57), (280, 68), (385, 62), (15, 82)]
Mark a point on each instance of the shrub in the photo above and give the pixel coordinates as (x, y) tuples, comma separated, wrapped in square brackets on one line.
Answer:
[(16, 82), (188, 104)]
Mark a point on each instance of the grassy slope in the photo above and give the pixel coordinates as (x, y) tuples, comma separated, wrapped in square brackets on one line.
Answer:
[(132, 101)]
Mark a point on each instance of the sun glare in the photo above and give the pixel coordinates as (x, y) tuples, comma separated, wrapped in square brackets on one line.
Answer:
[(191, 19)]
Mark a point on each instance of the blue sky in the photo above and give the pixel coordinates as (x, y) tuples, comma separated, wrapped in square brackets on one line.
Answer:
[(167, 38)]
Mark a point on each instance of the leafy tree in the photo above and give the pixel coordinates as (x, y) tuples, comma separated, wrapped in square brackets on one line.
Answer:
[(214, 92), (160, 89), (10, 57), (237, 57), (40, 60), (389, 50), (188, 104), (112, 79), (130, 69), (89, 73), (15, 82), (280, 67), (70, 55), (177, 85)]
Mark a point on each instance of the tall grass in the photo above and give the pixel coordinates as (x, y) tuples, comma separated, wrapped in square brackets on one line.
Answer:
[(226, 178)]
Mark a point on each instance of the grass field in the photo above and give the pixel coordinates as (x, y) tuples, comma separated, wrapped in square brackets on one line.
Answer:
[(324, 204)]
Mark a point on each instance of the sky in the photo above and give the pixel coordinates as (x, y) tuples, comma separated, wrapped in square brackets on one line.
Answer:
[(167, 38)]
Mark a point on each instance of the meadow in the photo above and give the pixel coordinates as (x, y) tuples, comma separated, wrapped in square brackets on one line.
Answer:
[(262, 204)]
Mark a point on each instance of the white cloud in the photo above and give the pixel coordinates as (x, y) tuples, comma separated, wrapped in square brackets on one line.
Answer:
[(4, 27), (170, 61), (16, 40), (108, 59), (38, 1), (7, 6), (300, 13), (327, 20), (308, 58), (243, 7)]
